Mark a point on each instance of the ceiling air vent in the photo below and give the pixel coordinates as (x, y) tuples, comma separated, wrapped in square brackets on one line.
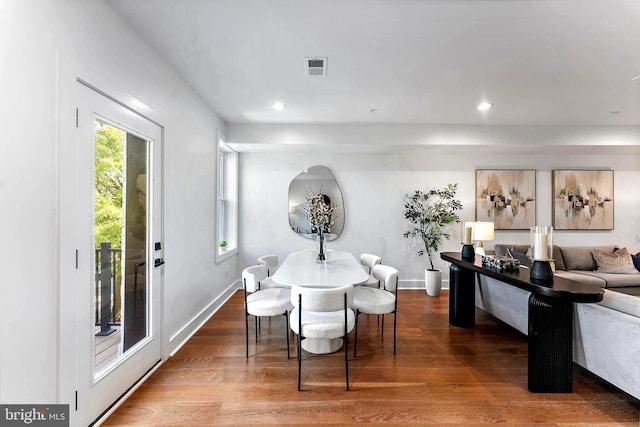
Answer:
[(315, 67)]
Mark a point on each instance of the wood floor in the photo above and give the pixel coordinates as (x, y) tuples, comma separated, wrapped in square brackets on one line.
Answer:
[(441, 375)]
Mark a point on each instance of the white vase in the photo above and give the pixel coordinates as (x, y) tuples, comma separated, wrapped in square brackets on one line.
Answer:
[(433, 282)]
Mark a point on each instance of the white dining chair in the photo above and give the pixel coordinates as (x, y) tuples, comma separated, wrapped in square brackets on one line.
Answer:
[(368, 261), (271, 262), (322, 314), (378, 301), (263, 302)]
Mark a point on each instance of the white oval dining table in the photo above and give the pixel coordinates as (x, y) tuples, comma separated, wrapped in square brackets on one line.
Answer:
[(341, 269)]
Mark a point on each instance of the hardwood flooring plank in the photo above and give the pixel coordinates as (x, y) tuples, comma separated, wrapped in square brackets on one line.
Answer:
[(432, 411), (308, 412), (562, 412), (176, 414), (441, 375)]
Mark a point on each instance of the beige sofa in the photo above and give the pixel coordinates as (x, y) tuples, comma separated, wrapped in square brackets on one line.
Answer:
[(577, 263), (606, 335)]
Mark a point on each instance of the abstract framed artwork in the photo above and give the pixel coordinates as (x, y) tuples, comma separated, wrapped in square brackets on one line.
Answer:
[(506, 197), (582, 199)]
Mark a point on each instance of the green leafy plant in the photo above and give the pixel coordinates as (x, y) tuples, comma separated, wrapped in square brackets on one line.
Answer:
[(109, 184), (431, 213), (222, 243)]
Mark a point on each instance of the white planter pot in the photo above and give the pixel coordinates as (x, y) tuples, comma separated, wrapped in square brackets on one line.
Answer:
[(433, 282)]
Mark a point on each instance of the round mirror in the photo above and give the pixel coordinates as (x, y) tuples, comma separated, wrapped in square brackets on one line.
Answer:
[(315, 180)]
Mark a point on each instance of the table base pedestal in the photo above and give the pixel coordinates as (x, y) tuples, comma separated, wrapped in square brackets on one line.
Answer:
[(550, 345), (318, 346), (462, 297)]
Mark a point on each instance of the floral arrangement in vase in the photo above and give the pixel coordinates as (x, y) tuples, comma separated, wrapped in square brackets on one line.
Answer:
[(320, 212)]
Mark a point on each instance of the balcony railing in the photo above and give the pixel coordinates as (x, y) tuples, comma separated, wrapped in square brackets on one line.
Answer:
[(108, 275)]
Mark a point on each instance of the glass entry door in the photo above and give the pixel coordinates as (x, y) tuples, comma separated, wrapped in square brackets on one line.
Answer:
[(111, 215)]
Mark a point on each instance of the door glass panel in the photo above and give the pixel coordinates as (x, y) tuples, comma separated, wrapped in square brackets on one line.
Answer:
[(121, 244)]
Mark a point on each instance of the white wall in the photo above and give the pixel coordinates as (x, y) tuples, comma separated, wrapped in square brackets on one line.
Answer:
[(40, 41), (373, 185)]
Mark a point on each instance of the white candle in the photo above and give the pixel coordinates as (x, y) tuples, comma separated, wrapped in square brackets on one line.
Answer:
[(543, 247), (540, 242), (467, 235)]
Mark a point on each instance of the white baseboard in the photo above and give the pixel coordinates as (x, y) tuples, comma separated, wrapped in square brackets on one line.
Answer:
[(191, 327), (418, 284)]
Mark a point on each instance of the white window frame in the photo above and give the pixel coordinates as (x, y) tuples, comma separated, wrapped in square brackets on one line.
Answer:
[(226, 192)]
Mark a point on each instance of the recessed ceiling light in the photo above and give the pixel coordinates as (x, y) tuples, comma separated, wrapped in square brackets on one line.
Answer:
[(484, 106), (278, 106)]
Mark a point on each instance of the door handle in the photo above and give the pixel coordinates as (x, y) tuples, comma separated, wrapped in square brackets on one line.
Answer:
[(158, 262)]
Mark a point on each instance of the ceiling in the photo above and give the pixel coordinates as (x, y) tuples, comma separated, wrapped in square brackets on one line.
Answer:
[(552, 62)]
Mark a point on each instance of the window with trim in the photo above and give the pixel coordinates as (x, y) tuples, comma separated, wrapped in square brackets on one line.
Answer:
[(227, 212)]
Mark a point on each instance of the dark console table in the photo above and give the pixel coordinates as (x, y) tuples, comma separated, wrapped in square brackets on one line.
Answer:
[(550, 317)]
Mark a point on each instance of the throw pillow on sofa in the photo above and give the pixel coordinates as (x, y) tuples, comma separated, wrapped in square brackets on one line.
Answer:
[(618, 262), (635, 258)]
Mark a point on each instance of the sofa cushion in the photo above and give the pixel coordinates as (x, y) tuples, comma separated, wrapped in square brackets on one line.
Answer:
[(618, 262), (582, 277), (631, 290), (613, 280), (557, 257), (621, 302), (580, 257)]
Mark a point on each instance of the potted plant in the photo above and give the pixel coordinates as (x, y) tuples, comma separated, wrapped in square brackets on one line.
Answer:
[(431, 213), (223, 245)]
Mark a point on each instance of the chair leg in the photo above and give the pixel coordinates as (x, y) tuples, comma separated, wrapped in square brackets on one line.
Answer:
[(355, 341), (299, 360), (345, 340), (286, 331), (382, 330), (246, 334), (346, 359), (299, 340), (395, 317)]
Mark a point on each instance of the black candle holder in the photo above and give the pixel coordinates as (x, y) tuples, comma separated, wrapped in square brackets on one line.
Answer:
[(541, 271), (468, 253)]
